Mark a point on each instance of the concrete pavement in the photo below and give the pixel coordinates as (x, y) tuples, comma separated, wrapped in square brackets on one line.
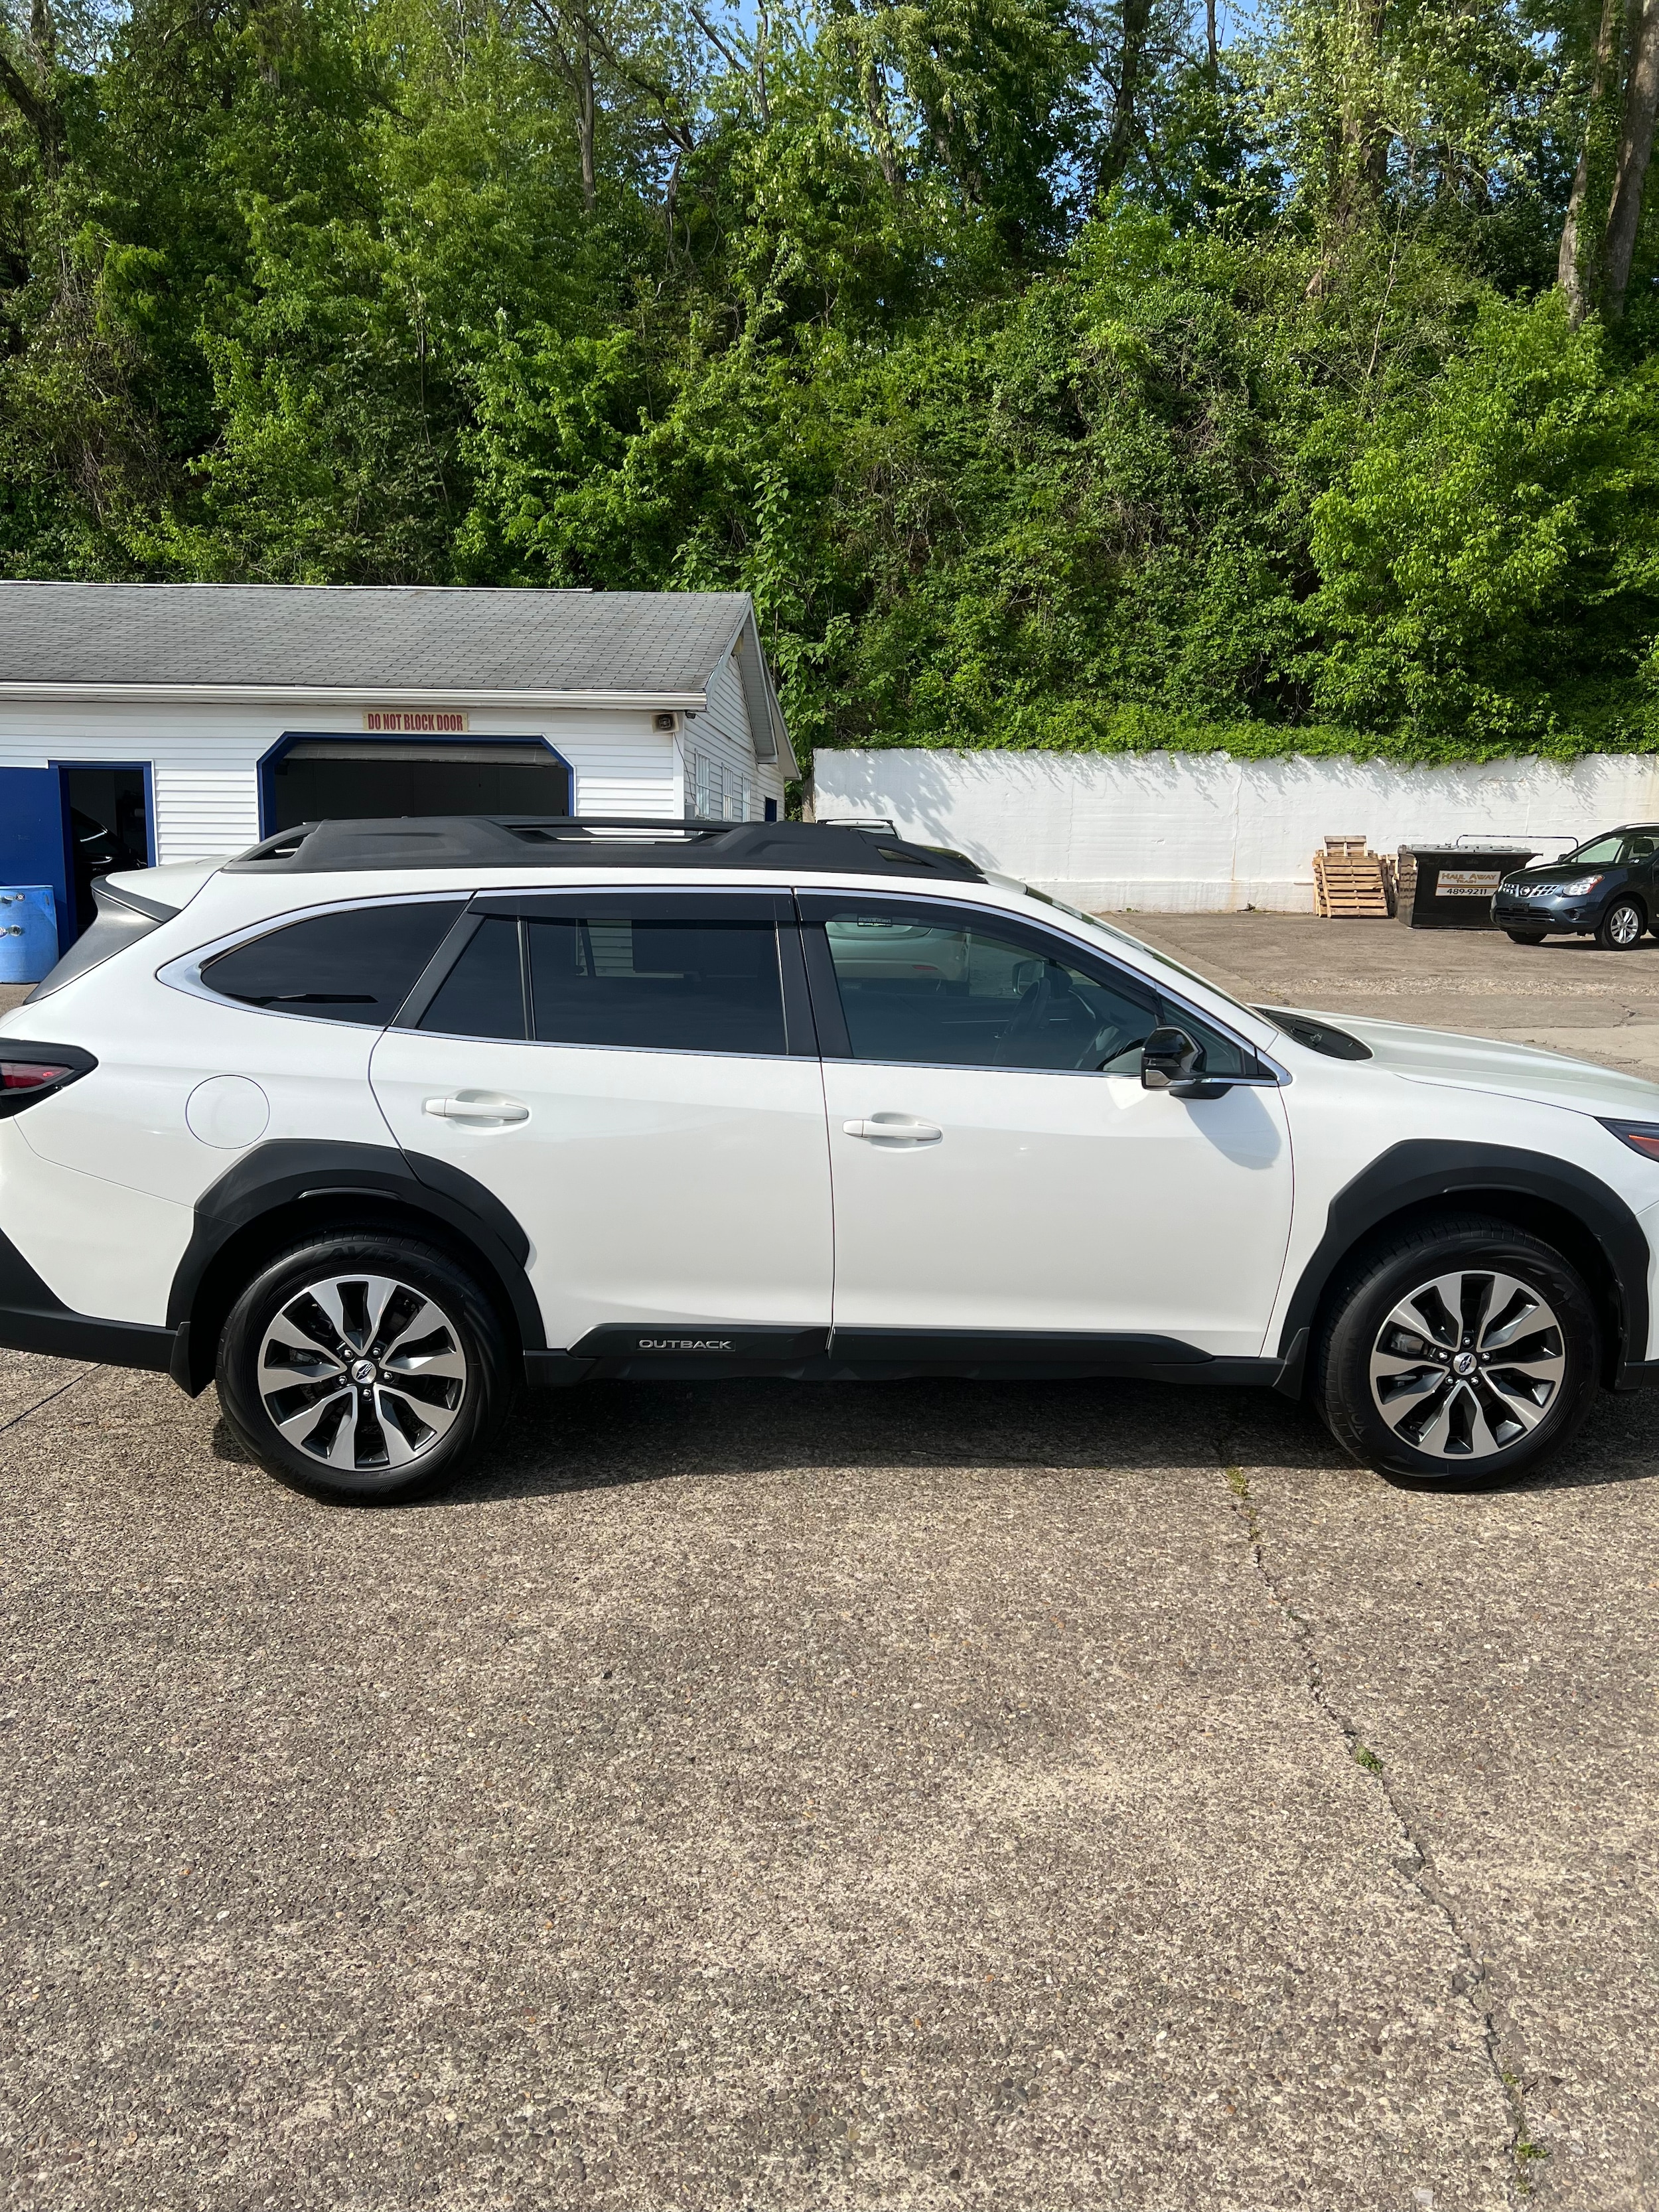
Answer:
[(925, 1795), (921, 1794)]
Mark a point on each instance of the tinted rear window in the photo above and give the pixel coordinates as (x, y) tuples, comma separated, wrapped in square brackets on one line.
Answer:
[(656, 985), (357, 966), (482, 995)]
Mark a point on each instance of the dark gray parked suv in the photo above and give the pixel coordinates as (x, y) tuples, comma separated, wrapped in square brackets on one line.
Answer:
[(1606, 890)]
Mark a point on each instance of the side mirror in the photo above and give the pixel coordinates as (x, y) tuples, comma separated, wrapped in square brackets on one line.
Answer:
[(1168, 1057)]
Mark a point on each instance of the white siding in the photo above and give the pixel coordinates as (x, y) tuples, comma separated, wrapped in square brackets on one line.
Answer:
[(204, 756), (619, 763), (722, 734)]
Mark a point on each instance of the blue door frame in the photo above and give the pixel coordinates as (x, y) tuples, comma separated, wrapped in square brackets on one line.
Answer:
[(36, 844)]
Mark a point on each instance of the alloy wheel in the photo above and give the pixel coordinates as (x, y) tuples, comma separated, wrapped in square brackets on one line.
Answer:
[(1624, 925), (1468, 1364), (362, 1372)]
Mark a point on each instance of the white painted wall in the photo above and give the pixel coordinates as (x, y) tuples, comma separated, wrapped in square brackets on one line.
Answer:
[(203, 757), (1188, 833)]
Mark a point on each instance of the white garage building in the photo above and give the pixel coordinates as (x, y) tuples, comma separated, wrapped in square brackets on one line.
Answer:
[(178, 720)]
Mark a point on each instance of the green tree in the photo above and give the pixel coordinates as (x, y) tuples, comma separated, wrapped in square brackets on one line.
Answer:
[(1051, 373)]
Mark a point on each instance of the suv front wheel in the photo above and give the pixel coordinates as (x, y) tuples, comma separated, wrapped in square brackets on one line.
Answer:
[(363, 1367), (1461, 1350), (1621, 926)]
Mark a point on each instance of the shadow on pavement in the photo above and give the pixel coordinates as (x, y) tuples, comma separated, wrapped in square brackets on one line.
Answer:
[(610, 1435), (603, 1434)]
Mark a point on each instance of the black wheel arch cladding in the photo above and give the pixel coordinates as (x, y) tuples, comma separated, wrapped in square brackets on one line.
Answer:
[(1594, 1229), (289, 1187)]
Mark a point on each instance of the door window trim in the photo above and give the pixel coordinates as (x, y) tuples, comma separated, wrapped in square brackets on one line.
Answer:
[(832, 1020), (800, 1032)]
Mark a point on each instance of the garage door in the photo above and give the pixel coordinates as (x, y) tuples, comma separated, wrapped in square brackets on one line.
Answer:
[(336, 779)]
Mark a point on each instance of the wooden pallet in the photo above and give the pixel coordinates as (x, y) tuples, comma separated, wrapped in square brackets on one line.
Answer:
[(1350, 883), (1404, 889)]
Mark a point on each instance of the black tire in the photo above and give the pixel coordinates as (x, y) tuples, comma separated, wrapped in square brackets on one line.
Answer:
[(1525, 936), (1421, 1442), (437, 1393), (1620, 928)]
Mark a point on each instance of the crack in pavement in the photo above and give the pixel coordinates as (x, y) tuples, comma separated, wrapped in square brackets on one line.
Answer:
[(1414, 1864), (48, 1400)]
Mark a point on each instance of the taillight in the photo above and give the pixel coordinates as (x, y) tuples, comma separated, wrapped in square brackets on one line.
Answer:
[(29, 1074), (31, 1071)]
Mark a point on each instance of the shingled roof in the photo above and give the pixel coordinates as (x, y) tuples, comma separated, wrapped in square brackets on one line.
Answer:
[(390, 640)]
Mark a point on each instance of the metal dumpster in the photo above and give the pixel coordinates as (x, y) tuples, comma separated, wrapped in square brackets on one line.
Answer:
[(1451, 886)]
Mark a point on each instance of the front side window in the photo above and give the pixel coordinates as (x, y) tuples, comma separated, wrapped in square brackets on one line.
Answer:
[(937, 987), (1118, 941), (357, 965), (649, 975)]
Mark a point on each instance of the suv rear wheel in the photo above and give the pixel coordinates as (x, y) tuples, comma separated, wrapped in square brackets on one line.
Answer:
[(363, 1367), (1463, 1349)]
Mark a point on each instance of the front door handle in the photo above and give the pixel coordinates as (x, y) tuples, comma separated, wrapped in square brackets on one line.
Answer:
[(895, 1128), (478, 1109)]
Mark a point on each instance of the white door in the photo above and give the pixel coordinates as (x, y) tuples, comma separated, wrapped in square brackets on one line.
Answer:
[(617, 1070), (997, 1164)]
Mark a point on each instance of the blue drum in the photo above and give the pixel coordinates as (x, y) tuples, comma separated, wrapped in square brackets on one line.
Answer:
[(28, 932)]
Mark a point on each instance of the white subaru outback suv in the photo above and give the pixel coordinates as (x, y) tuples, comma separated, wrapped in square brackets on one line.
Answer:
[(382, 1118)]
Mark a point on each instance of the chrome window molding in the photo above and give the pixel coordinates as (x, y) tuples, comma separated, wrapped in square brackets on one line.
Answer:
[(1268, 1082), (1271, 1082), (557, 1044)]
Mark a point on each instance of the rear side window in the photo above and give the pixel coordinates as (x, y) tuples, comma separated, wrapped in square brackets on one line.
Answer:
[(482, 995), (651, 974), (657, 981), (355, 966)]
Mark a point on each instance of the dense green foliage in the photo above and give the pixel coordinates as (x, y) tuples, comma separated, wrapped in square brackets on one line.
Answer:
[(1049, 379)]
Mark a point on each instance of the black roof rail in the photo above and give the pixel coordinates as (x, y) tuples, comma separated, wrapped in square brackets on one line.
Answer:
[(551, 840)]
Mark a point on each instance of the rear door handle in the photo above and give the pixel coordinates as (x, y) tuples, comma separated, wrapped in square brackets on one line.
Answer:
[(479, 1109), (895, 1128)]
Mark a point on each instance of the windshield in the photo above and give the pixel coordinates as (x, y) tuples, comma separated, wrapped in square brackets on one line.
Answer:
[(1599, 848), (1111, 934)]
